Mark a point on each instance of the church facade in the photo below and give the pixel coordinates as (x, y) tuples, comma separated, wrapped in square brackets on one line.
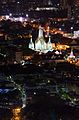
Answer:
[(40, 43)]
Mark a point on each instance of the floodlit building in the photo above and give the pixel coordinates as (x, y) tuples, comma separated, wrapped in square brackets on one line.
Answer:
[(40, 43)]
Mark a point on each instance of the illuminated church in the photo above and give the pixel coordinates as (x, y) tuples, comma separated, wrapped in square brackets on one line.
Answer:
[(40, 43), (71, 56)]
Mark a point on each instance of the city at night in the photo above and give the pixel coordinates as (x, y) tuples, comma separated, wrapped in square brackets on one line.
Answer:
[(39, 59)]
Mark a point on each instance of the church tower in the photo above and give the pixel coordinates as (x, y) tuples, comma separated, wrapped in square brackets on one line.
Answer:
[(71, 56), (49, 44), (40, 44), (31, 44), (40, 33)]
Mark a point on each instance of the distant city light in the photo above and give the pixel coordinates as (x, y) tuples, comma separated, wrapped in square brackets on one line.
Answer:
[(15, 19), (46, 8), (7, 16), (76, 33), (27, 15), (18, 2), (59, 28), (10, 14), (71, 28), (20, 19)]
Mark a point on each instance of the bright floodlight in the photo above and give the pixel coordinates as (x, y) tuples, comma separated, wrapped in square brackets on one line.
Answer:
[(10, 14), (21, 19), (7, 16), (18, 2), (26, 15)]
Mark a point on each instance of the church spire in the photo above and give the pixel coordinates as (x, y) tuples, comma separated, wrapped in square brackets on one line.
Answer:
[(49, 39), (31, 39), (49, 44), (71, 54), (31, 44), (40, 33)]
